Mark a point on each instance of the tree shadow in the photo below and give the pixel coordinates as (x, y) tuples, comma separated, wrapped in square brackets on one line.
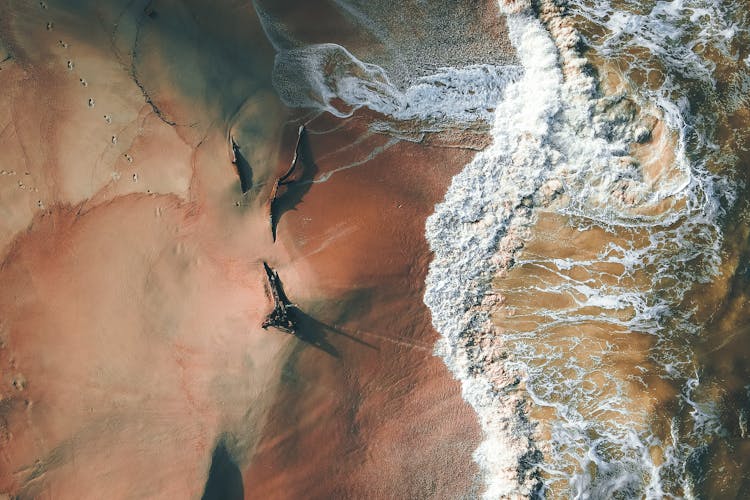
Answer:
[(224, 477), (289, 318), (315, 333)]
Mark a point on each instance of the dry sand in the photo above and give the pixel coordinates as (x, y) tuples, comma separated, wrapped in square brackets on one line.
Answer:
[(131, 280)]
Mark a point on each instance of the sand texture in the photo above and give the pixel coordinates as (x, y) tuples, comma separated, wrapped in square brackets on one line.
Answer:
[(132, 289)]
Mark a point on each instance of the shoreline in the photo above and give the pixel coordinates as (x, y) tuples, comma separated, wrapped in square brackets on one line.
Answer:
[(376, 384)]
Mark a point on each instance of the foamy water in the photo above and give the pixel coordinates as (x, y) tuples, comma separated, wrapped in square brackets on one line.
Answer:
[(570, 354), (329, 78), (562, 144)]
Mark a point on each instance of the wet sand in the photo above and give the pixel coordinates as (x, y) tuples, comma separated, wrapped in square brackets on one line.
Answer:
[(132, 289), (358, 406)]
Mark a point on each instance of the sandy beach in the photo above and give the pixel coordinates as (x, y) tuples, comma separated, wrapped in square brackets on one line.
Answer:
[(361, 404), (132, 290), (367, 249)]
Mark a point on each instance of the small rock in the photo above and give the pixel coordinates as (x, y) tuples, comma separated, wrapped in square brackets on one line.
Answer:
[(19, 382)]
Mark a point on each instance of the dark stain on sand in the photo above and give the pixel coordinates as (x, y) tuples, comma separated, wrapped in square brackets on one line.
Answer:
[(244, 170), (224, 478)]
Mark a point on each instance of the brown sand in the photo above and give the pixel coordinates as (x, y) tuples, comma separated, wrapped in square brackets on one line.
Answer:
[(132, 290), (373, 402)]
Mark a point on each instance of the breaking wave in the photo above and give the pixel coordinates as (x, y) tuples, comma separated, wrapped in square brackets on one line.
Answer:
[(600, 156)]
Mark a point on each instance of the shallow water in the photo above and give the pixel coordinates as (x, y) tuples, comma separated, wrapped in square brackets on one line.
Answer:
[(683, 402), (607, 292)]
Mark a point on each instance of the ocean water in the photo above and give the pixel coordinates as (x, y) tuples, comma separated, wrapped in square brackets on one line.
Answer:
[(589, 278), (581, 351)]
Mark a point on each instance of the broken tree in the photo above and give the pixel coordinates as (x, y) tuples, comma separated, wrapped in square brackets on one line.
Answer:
[(282, 316), (285, 180)]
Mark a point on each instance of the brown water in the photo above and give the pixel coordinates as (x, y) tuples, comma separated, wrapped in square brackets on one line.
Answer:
[(626, 404)]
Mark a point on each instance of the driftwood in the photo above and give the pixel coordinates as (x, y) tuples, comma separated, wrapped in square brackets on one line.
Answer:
[(285, 180), (282, 316), (235, 150)]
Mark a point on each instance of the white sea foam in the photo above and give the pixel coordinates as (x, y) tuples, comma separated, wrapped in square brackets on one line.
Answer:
[(553, 134), (329, 78), (481, 207)]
